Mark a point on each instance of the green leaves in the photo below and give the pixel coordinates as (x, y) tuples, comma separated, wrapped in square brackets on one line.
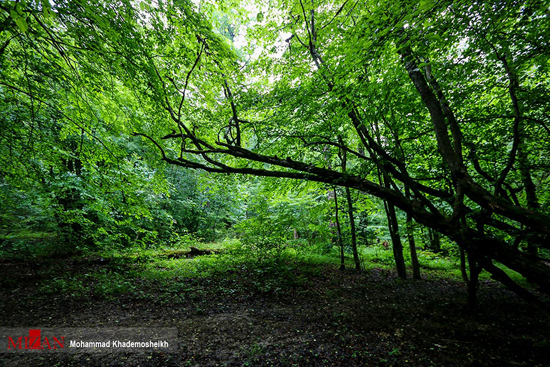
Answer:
[(19, 17), (143, 5), (47, 9)]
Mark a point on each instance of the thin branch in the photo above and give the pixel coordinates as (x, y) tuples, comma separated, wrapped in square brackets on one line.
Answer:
[(188, 76), (362, 156), (335, 15), (153, 141)]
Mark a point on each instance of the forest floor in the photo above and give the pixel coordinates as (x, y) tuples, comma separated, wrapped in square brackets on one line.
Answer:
[(286, 313)]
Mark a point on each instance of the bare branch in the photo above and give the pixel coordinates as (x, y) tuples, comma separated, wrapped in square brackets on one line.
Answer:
[(335, 15)]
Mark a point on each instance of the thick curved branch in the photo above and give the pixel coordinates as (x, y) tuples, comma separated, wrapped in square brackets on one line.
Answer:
[(512, 87)]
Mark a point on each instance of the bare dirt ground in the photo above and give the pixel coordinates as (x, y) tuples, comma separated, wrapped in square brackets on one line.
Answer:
[(312, 315)]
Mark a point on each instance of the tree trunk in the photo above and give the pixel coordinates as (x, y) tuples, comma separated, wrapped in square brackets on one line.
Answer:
[(463, 265), (473, 282), (352, 228), (397, 246), (339, 229), (343, 159), (435, 240), (69, 199), (530, 191), (412, 247)]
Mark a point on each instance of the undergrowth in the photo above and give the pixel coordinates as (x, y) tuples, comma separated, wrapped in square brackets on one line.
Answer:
[(114, 272)]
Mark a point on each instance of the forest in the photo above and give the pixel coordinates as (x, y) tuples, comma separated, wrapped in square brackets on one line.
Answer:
[(285, 182)]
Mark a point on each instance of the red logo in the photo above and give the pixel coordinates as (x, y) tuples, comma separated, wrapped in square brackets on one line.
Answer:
[(35, 341)]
